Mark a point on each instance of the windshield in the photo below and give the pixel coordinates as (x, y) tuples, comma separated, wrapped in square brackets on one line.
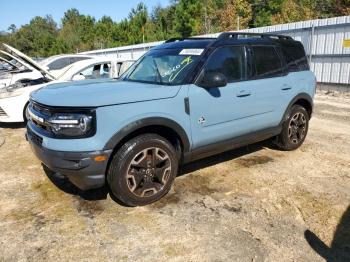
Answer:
[(163, 66)]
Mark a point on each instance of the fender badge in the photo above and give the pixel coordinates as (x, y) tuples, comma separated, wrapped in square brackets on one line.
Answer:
[(201, 120)]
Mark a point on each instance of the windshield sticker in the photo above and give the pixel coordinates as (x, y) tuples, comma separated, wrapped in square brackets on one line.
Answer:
[(184, 63), (191, 51)]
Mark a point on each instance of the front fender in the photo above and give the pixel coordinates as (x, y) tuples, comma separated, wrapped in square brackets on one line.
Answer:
[(149, 121)]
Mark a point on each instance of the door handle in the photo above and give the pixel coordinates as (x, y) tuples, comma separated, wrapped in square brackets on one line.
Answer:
[(286, 87), (243, 93)]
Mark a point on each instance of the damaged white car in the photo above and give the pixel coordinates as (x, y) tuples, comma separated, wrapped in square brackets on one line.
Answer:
[(14, 98), (57, 64), (22, 70)]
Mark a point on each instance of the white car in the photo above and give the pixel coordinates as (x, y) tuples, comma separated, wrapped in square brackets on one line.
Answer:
[(14, 99), (25, 70), (6, 66), (57, 64)]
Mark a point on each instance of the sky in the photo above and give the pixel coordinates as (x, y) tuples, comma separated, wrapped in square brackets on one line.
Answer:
[(21, 12)]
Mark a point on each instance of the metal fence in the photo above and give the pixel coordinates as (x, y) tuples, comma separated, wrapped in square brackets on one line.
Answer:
[(326, 42)]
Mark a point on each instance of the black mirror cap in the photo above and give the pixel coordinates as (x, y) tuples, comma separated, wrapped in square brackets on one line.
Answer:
[(213, 80)]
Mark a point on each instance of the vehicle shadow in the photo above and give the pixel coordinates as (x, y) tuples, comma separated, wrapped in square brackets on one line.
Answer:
[(339, 250), (224, 157), (101, 193)]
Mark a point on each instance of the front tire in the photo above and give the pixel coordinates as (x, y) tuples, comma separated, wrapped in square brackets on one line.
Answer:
[(143, 170), (294, 129)]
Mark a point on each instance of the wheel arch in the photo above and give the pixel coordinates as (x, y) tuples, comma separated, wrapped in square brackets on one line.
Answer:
[(302, 99), (164, 127)]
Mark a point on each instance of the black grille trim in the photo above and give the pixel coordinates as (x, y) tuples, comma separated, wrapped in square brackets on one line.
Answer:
[(34, 137), (2, 112)]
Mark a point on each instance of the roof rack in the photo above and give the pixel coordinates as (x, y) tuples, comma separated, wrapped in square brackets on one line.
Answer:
[(236, 35), (175, 39)]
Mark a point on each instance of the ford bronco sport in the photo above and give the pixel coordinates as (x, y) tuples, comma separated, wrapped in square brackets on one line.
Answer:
[(183, 100)]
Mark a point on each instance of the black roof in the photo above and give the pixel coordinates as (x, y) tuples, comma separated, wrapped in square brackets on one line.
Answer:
[(186, 43), (225, 38)]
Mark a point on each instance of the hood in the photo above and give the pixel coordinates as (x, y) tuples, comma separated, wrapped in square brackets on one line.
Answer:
[(95, 93), (22, 65), (7, 61), (28, 60)]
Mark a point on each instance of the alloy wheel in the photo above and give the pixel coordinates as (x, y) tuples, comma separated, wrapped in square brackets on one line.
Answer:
[(297, 128), (148, 172)]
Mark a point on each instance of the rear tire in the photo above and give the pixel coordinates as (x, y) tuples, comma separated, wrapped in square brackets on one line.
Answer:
[(143, 170), (294, 129)]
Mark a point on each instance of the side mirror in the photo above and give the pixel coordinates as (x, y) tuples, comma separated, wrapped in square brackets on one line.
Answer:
[(213, 79), (78, 77)]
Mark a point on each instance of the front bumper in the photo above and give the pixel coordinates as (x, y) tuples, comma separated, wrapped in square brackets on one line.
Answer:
[(11, 109), (79, 167)]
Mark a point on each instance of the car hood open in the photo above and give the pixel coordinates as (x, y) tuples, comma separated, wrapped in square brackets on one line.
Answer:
[(8, 62), (20, 56), (95, 93)]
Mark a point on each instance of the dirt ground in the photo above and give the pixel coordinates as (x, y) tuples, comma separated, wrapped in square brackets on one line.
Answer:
[(251, 204)]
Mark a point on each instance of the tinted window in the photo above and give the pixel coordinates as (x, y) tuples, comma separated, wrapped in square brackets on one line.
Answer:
[(267, 61), (295, 57), (228, 60), (77, 59)]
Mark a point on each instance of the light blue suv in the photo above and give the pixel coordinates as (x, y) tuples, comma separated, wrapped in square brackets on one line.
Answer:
[(183, 100)]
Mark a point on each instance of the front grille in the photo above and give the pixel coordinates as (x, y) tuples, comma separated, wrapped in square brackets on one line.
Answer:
[(2, 112), (34, 137), (41, 112), (41, 109)]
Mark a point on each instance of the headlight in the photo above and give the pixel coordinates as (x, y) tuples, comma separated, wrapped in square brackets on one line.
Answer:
[(71, 124)]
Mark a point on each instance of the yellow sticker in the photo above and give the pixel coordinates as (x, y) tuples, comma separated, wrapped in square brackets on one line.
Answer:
[(346, 42)]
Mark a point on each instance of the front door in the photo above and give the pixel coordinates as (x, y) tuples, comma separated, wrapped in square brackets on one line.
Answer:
[(218, 114)]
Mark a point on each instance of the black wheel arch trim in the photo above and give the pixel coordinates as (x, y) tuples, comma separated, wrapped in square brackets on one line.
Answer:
[(147, 122), (304, 96)]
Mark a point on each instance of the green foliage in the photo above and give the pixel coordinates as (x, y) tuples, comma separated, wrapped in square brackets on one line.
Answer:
[(78, 32), (188, 17)]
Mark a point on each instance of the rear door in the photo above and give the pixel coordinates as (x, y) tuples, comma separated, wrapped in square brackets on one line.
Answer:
[(267, 82)]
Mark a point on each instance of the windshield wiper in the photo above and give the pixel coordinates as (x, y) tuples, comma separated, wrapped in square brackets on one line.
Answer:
[(159, 76)]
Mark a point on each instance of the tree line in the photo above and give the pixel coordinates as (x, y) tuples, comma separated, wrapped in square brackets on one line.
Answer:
[(181, 18)]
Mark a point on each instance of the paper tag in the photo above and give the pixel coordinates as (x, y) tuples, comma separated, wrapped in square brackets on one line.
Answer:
[(191, 51)]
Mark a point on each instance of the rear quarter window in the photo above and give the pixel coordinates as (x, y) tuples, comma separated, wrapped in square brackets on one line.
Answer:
[(295, 56)]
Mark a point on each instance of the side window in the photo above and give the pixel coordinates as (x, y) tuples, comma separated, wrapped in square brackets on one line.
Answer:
[(267, 62), (228, 60), (97, 71), (58, 64)]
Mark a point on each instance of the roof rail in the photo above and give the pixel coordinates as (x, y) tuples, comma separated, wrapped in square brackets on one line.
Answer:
[(227, 35), (188, 38)]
